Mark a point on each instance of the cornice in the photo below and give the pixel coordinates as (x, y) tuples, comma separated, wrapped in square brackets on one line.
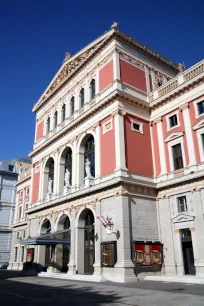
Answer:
[(117, 95), (76, 65), (177, 93)]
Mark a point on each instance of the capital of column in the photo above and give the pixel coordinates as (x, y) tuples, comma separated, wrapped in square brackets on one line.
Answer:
[(118, 111), (184, 106), (158, 120)]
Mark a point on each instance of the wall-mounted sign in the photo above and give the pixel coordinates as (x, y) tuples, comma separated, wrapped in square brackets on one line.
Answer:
[(148, 254), (108, 254), (30, 255)]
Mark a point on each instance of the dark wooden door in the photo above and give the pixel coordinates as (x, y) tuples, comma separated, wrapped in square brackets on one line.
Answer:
[(89, 245), (188, 257), (65, 258)]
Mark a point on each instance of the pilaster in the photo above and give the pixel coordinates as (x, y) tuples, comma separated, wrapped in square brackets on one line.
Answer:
[(189, 137), (98, 238), (116, 65), (72, 263), (97, 155), (161, 145), (119, 142)]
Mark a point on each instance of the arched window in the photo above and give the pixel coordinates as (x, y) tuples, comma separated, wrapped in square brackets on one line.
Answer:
[(55, 119), (63, 112), (72, 105), (68, 164), (45, 227), (81, 97), (51, 172), (48, 125), (92, 89), (89, 153)]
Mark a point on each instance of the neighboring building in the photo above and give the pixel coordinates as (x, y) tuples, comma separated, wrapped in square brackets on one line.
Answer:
[(8, 177), (20, 223), (117, 176)]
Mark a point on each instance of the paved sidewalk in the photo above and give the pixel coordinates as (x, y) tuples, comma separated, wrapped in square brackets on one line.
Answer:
[(190, 279), (18, 290)]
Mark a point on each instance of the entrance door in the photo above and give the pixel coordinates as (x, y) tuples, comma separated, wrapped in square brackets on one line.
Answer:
[(187, 248), (188, 257), (89, 244), (65, 258)]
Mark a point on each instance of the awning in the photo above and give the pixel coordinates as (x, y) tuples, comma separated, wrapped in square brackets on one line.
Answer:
[(59, 237)]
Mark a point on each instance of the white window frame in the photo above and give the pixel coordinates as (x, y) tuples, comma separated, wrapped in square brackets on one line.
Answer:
[(168, 123), (200, 145), (21, 194), (170, 150), (105, 124), (141, 131), (180, 196), (28, 188), (196, 107)]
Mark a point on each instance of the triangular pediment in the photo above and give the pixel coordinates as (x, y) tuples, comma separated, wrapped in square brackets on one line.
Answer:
[(173, 136), (70, 65), (199, 125), (183, 218)]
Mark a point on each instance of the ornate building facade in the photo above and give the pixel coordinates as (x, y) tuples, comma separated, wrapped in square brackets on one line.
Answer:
[(116, 180)]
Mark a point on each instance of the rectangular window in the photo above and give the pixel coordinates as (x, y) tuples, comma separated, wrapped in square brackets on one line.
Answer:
[(108, 254), (21, 194), (16, 254), (24, 234), (182, 204), (11, 168), (137, 126), (27, 191), (177, 157), (22, 254), (202, 139), (20, 212), (200, 107), (173, 121), (18, 235)]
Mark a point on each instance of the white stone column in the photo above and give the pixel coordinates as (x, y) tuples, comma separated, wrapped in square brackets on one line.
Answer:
[(41, 182), (56, 171), (189, 136), (74, 165), (178, 252), (98, 238), (116, 65), (119, 142), (97, 81), (124, 268), (167, 236), (197, 234), (161, 145), (97, 154), (72, 261)]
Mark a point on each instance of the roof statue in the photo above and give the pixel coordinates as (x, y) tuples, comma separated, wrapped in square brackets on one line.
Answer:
[(181, 67), (114, 25), (67, 56)]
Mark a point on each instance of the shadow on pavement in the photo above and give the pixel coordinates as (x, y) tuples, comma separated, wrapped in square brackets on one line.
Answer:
[(36, 291)]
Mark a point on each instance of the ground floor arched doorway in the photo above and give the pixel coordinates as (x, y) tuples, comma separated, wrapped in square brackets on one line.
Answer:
[(46, 251), (86, 242), (63, 250)]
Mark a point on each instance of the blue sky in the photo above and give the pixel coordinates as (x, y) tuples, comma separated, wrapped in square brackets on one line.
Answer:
[(34, 36)]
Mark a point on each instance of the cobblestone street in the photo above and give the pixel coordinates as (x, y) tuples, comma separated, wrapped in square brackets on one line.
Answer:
[(15, 289)]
